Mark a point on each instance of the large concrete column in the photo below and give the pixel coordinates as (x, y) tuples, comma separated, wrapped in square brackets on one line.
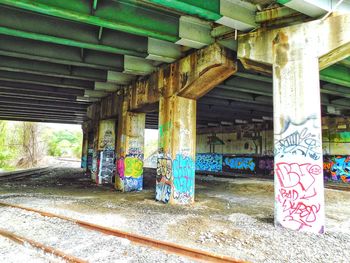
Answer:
[(296, 54), (130, 150), (106, 151), (177, 145), (84, 149), (299, 190)]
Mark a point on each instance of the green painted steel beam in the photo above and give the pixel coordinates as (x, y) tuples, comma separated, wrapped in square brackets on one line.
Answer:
[(40, 88), (208, 10), (54, 53), (51, 69), (38, 110), (38, 95), (25, 24), (122, 15), (336, 74), (45, 80), (47, 103), (14, 104), (345, 62)]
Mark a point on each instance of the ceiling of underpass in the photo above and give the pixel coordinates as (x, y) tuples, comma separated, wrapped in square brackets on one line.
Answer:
[(58, 57)]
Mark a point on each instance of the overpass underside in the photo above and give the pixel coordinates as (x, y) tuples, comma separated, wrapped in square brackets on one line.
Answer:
[(184, 68)]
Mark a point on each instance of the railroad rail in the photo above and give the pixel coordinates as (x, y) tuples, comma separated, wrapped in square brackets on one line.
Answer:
[(23, 240), (21, 174), (169, 247)]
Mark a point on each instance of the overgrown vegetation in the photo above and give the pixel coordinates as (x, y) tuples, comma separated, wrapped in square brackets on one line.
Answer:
[(25, 144)]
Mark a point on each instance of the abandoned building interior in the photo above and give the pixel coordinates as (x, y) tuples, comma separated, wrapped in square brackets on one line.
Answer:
[(251, 100)]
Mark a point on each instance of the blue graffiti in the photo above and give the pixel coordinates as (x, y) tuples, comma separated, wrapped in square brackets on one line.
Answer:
[(209, 162), (83, 162), (240, 163), (133, 184), (163, 192), (184, 178), (341, 169)]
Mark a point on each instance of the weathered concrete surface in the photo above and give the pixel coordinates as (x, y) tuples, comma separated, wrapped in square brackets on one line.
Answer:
[(177, 146), (328, 40), (190, 77), (130, 149)]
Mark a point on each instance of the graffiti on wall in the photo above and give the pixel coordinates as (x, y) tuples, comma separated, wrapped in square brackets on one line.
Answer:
[(238, 164), (84, 161), (106, 134), (106, 167), (337, 168), (209, 162)]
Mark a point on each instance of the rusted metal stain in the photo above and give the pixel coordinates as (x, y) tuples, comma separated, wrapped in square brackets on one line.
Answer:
[(280, 47)]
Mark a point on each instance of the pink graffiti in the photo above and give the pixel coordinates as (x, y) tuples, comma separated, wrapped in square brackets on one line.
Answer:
[(296, 194), (290, 175), (121, 167)]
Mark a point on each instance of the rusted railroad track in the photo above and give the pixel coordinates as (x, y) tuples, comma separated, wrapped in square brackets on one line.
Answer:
[(23, 240), (169, 247), (21, 174)]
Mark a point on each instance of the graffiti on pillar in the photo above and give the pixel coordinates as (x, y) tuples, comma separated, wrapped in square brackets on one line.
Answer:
[(297, 194), (89, 158), (299, 141), (133, 171), (106, 135), (209, 162), (133, 167), (163, 169), (163, 178), (84, 161), (163, 192), (106, 167), (239, 164), (164, 133), (183, 179)]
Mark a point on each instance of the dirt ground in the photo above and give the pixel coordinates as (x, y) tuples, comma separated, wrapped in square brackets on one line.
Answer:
[(230, 216)]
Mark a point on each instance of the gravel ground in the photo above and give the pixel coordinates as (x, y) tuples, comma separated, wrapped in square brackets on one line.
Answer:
[(77, 241), (12, 252), (230, 216)]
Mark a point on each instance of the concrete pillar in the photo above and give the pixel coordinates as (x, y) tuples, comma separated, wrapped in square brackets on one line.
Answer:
[(94, 165), (299, 190), (84, 149), (130, 150), (106, 151), (177, 143)]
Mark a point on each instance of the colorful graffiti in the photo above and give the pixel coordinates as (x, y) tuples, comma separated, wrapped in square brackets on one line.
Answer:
[(238, 164), (133, 167), (106, 167), (106, 140), (209, 162), (184, 178), (163, 178), (297, 194), (83, 162), (337, 168)]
